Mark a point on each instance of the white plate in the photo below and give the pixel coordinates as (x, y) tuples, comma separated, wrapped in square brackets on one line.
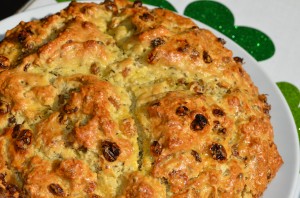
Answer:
[(285, 182)]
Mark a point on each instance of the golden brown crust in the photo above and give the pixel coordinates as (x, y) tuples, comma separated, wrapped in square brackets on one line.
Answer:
[(116, 100), (142, 186)]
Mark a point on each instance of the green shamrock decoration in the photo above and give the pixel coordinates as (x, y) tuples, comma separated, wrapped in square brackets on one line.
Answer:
[(292, 96), (219, 17)]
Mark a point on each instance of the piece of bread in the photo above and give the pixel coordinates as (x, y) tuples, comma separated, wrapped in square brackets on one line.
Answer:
[(116, 100)]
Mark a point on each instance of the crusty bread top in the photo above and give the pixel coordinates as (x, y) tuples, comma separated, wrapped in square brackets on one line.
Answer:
[(116, 100)]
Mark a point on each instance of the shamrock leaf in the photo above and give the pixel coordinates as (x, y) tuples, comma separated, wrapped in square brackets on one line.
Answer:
[(292, 96), (219, 17)]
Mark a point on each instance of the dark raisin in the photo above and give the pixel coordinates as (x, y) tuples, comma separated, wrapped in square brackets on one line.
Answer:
[(156, 148), (61, 99), (26, 67), (157, 42), (94, 69), (238, 59), (83, 149), (182, 110), (25, 136), (218, 112), (164, 181), (218, 152), (110, 151), (69, 110), (16, 131), (222, 41), (56, 189), (199, 122), (4, 62), (196, 155), (146, 17), (222, 130), (24, 34), (12, 120), (12, 189), (206, 57), (62, 118), (194, 27), (137, 4), (4, 107), (2, 179), (23, 139)]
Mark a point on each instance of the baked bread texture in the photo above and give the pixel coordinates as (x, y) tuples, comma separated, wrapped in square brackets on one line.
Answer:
[(113, 99)]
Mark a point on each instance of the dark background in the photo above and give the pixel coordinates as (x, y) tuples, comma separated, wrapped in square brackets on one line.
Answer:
[(10, 7)]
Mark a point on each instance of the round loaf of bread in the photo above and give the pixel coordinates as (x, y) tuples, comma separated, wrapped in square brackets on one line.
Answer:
[(117, 100)]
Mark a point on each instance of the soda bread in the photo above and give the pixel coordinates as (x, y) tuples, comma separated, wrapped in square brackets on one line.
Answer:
[(117, 100)]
